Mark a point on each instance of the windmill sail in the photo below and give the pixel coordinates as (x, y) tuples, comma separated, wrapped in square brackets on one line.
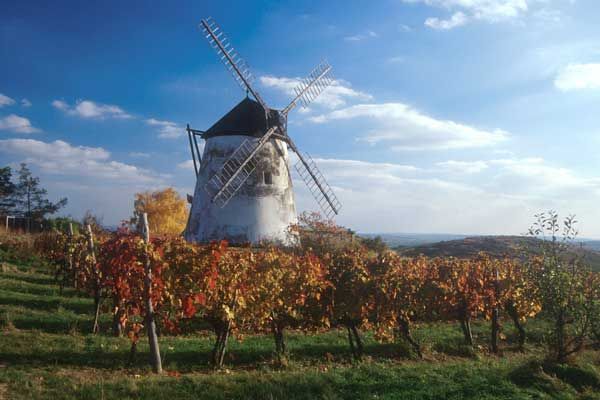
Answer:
[(239, 166), (308, 90), (230, 57), (236, 170), (312, 86), (318, 186)]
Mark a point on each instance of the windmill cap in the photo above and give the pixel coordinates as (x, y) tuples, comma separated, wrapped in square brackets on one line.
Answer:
[(246, 118)]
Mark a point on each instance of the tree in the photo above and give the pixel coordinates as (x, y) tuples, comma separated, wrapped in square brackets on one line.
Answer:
[(350, 298), (375, 244), (593, 293), (167, 211), (210, 282), (520, 295), (7, 189), (62, 224), (94, 221), (562, 283), (124, 261), (30, 198), (462, 291), (321, 235), (286, 291), (401, 291)]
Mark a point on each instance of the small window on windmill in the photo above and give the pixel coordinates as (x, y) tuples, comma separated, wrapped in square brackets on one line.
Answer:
[(267, 178)]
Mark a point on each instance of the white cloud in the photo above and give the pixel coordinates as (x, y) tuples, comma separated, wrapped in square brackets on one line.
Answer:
[(365, 168), (466, 10), (404, 198), (25, 103), (87, 176), (336, 95), (399, 198), (548, 17), (408, 129), (60, 105), (166, 129), (139, 154), (457, 19), (504, 152), (62, 158), (396, 60), (361, 36), (90, 109), (17, 124), (530, 168), (578, 77), (189, 165), (535, 170), (467, 167), (5, 101)]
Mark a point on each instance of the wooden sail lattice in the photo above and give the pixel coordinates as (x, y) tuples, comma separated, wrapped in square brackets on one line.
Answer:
[(318, 186), (236, 170)]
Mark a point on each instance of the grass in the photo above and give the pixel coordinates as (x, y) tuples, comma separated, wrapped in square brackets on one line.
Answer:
[(46, 352)]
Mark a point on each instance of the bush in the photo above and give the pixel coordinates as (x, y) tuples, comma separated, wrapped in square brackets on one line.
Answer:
[(563, 285)]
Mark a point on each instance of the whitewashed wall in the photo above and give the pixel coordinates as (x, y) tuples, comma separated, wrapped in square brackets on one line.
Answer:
[(258, 211)]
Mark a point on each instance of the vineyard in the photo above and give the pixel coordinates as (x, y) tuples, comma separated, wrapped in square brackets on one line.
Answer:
[(380, 301)]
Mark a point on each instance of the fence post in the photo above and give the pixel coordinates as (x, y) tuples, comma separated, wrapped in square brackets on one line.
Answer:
[(71, 264), (495, 314), (96, 276), (150, 324), (67, 261)]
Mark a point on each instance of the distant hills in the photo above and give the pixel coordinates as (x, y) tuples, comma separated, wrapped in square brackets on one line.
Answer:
[(394, 240), (415, 239), (468, 246), (591, 244)]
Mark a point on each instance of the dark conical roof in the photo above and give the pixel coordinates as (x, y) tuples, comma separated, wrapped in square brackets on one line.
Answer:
[(246, 118)]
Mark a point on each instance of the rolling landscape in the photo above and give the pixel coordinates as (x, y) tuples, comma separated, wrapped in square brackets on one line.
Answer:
[(47, 351), (465, 246), (208, 200)]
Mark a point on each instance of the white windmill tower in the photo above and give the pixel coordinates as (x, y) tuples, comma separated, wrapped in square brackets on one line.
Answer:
[(243, 187)]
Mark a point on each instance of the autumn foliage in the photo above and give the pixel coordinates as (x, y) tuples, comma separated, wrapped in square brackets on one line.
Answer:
[(167, 211), (235, 291), (121, 267)]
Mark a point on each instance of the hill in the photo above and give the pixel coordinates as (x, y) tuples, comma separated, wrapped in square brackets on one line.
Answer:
[(412, 239), (48, 352), (592, 244), (496, 246)]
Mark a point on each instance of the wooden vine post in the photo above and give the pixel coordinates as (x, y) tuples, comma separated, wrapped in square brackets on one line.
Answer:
[(96, 277), (495, 314), (72, 268), (150, 324), (67, 261), (222, 337)]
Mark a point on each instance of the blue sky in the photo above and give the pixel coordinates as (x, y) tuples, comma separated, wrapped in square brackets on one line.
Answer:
[(456, 116)]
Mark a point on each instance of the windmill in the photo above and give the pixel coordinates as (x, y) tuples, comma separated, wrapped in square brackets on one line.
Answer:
[(243, 187)]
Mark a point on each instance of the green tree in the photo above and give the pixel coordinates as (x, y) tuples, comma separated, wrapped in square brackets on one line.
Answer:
[(62, 224), (93, 220), (376, 244), (562, 282), (30, 198), (7, 189)]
